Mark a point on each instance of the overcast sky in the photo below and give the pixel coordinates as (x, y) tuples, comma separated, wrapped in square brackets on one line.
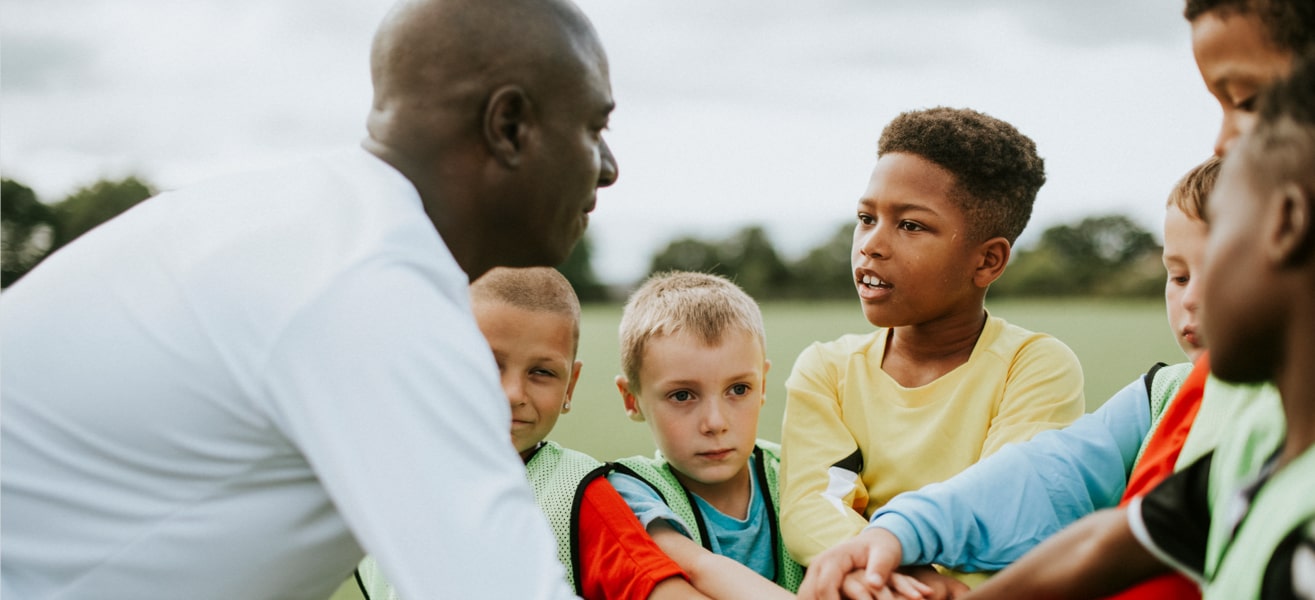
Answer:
[(730, 112)]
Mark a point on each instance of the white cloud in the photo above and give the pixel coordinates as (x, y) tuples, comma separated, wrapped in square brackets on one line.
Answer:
[(730, 112)]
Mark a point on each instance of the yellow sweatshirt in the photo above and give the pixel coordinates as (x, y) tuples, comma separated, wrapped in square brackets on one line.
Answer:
[(853, 437)]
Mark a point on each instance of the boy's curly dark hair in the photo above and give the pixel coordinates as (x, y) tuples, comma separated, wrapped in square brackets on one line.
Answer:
[(1291, 23), (997, 167)]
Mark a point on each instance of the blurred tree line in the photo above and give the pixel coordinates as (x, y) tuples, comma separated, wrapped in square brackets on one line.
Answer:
[(30, 229), (1098, 256)]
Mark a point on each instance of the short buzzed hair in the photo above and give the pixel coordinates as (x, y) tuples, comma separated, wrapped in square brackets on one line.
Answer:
[(537, 289), (704, 305), (1192, 189), (997, 168), (1281, 146), (1290, 23)]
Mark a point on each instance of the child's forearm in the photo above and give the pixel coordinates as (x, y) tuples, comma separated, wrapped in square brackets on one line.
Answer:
[(1055, 479), (1095, 557), (712, 574), (675, 588)]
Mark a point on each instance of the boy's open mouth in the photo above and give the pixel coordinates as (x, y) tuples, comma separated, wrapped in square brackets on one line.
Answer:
[(874, 282)]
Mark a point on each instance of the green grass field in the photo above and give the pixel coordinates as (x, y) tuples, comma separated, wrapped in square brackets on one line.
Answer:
[(1115, 340)]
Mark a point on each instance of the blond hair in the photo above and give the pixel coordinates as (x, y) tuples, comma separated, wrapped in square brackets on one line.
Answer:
[(536, 289), (704, 305), (1190, 192)]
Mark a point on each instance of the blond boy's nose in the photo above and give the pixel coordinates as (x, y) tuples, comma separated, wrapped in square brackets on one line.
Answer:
[(514, 390), (1191, 299), (714, 420)]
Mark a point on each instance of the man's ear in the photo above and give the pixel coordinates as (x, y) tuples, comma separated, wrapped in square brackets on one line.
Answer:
[(1293, 235), (506, 119), (631, 404), (992, 256)]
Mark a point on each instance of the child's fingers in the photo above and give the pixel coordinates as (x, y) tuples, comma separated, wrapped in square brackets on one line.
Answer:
[(883, 555), (909, 588), (824, 581), (856, 587)]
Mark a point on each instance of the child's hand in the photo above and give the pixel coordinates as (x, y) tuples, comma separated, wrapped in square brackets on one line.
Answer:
[(857, 586), (942, 587), (873, 555)]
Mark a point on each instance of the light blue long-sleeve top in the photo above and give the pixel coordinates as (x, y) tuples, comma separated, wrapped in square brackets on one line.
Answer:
[(992, 513)]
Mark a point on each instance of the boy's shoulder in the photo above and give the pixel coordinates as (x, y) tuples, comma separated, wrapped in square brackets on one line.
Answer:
[(553, 459), (848, 344), (1007, 341)]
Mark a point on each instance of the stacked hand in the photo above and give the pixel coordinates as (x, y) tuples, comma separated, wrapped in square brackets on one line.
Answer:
[(865, 568)]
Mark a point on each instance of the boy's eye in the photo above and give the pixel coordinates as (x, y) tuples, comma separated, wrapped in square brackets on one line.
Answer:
[(1179, 279), (681, 396), (866, 219), (910, 226), (740, 389), (1248, 105), (543, 372)]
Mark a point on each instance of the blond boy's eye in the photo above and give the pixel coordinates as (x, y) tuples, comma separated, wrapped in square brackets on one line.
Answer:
[(740, 389), (682, 396)]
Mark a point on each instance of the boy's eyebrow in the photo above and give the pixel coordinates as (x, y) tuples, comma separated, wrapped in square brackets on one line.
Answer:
[(542, 358), (750, 374), (901, 207)]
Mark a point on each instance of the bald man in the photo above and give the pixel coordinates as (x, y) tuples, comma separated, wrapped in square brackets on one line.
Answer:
[(236, 389)]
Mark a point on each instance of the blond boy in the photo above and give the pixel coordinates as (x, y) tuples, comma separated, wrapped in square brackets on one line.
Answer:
[(695, 368), (531, 319)]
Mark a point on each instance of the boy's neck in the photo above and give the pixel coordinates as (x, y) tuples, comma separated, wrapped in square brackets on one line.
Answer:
[(730, 497), (916, 355), (1296, 384)]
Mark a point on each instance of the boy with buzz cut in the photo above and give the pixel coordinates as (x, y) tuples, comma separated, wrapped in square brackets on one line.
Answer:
[(940, 383), (694, 361), (1241, 520), (531, 319)]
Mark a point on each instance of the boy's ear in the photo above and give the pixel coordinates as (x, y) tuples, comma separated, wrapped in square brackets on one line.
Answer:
[(505, 125), (992, 256), (631, 404), (1293, 234), (570, 387), (767, 366)]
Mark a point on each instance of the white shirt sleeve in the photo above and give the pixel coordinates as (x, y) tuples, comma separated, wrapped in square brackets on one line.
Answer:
[(403, 420)]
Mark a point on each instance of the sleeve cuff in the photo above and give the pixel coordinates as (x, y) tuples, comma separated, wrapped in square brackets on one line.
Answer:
[(910, 548)]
